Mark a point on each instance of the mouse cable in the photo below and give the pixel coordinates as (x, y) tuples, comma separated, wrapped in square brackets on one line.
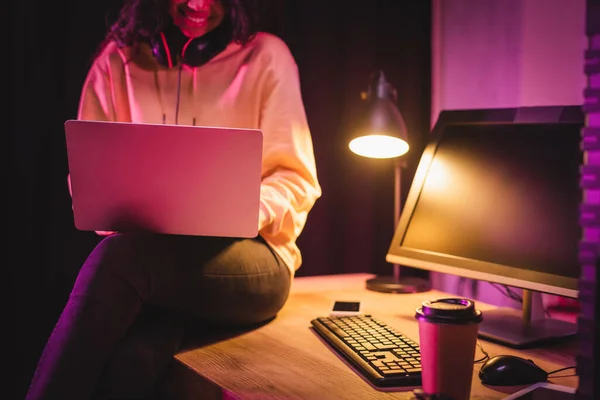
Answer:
[(562, 369), (485, 354)]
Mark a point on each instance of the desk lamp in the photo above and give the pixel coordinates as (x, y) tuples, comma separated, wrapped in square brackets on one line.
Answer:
[(381, 133)]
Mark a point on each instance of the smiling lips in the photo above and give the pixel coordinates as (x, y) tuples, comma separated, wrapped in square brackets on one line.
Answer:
[(198, 19)]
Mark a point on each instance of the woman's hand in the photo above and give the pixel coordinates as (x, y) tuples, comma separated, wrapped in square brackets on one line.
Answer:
[(99, 233), (105, 233)]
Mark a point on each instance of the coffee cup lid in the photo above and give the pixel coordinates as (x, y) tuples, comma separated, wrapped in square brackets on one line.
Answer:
[(449, 311)]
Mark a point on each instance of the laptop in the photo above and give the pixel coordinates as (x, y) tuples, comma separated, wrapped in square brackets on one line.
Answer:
[(168, 179)]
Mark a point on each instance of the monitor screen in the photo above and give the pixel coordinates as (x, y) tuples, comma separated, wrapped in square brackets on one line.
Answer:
[(497, 201)]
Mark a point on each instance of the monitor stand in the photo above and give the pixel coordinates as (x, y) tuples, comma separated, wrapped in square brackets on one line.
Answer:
[(528, 328)]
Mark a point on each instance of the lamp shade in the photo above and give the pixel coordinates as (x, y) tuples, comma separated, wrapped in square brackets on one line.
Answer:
[(381, 132)]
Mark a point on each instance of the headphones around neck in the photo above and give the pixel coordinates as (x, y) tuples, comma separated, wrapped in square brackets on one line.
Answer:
[(171, 46)]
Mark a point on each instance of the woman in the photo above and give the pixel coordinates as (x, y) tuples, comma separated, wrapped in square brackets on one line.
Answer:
[(194, 62)]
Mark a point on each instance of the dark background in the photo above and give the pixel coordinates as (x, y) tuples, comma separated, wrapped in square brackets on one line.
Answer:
[(337, 45)]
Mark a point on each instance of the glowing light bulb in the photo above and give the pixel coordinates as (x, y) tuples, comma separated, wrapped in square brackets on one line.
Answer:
[(378, 146)]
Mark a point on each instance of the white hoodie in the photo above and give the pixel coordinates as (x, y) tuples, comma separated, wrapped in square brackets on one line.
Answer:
[(251, 86)]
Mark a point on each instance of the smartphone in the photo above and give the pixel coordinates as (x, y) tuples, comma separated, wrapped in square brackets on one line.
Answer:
[(344, 308)]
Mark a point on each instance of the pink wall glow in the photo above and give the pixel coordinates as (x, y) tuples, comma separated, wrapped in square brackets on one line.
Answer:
[(507, 53)]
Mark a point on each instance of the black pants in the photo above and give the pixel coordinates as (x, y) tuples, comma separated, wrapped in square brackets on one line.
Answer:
[(127, 312)]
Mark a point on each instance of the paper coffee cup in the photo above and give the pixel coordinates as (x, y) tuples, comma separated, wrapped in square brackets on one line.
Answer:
[(448, 330)]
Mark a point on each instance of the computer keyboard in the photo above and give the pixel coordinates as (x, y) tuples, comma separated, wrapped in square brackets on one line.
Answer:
[(379, 353)]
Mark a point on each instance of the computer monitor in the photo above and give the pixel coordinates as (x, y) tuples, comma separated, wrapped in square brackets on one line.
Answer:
[(496, 197)]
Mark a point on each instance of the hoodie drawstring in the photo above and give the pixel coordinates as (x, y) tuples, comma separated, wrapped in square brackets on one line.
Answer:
[(194, 81), (157, 83)]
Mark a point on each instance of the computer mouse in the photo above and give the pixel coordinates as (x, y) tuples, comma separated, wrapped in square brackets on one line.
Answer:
[(506, 370)]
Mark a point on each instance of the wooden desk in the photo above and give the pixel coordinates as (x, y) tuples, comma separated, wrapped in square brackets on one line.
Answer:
[(284, 359)]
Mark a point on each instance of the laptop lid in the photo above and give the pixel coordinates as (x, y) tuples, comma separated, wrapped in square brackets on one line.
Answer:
[(172, 179)]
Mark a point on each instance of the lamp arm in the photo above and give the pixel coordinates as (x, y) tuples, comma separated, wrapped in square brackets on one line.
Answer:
[(398, 163)]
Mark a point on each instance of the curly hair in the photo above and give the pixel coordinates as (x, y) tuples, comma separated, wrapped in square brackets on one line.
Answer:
[(141, 20)]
